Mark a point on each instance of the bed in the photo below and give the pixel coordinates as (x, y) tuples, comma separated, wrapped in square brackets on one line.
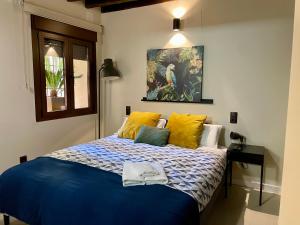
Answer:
[(82, 185)]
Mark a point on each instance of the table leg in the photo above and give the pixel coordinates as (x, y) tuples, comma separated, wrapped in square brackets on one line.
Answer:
[(261, 184), (226, 180), (230, 165)]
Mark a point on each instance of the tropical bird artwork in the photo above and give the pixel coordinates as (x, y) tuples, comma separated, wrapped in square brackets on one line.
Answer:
[(170, 76), (175, 74)]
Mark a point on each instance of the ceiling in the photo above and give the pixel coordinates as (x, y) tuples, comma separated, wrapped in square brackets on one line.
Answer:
[(117, 5)]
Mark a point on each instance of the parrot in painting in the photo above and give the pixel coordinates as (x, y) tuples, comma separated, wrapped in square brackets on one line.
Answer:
[(170, 76)]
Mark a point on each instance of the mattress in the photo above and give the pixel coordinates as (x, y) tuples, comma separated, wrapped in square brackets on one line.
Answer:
[(194, 172)]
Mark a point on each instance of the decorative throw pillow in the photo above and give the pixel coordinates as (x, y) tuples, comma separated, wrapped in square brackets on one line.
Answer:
[(153, 136), (210, 135), (135, 121), (185, 129)]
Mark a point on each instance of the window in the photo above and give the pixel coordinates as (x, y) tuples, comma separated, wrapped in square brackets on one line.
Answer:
[(64, 69)]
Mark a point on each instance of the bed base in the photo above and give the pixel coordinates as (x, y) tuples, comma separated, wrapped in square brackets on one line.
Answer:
[(222, 187), (6, 219)]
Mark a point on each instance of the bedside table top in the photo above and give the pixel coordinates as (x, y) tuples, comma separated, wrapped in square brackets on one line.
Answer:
[(248, 154), (248, 149)]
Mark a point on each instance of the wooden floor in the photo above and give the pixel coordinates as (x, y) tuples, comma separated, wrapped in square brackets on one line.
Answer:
[(240, 208)]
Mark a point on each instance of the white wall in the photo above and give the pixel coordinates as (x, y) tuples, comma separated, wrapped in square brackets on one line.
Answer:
[(289, 210), (19, 133), (246, 67)]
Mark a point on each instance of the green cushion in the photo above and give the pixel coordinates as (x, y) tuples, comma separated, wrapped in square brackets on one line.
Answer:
[(152, 136)]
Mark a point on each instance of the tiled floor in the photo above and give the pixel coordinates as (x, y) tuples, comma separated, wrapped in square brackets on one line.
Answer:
[(240, 208)]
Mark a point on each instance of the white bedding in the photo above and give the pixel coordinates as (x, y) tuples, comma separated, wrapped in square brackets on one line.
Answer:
[(195, 172)]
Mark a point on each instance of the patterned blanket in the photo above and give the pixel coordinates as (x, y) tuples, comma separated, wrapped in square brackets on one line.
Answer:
[(195, 172)]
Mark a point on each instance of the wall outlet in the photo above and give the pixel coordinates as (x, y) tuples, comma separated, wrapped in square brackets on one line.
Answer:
[(233, 117), (23, 159), (128, 110)]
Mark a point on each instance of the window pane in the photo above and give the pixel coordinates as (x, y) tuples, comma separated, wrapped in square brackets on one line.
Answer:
[(81, 76), (55, 75)]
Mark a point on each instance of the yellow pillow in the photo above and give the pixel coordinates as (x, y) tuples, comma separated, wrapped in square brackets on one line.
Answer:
[(135, 121), (185, 129)]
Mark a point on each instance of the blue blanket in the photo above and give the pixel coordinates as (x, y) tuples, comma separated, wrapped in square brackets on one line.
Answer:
[(48, 191)]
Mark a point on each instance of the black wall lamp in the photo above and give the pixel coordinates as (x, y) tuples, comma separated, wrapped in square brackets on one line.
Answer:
[(106, 72), (176, 24), (109, 72)]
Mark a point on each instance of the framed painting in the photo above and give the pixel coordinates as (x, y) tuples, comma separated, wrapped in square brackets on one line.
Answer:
[(175, 74)]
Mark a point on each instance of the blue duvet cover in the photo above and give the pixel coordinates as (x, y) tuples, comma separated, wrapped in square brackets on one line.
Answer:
[(49, 191)]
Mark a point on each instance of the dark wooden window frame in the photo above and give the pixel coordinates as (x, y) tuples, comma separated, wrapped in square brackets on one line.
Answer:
[(70, 35)]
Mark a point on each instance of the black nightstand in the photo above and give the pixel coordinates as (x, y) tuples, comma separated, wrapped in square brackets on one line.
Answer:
[(247, 154)]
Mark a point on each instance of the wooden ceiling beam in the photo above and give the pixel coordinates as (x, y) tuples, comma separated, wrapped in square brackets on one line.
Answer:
[(117, 5), (101, 3), (130, 4)]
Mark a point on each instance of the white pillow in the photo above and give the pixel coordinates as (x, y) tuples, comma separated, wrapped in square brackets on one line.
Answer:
[(210, 135), (161, 123)]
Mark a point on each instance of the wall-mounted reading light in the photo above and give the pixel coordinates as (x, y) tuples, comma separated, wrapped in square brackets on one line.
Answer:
[(176, 24)]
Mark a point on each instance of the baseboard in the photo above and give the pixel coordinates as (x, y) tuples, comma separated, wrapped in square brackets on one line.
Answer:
[(256, 185)]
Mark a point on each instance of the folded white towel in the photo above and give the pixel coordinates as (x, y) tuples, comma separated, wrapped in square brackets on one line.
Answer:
[(134, 173), (141, 173), (161, 178)]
